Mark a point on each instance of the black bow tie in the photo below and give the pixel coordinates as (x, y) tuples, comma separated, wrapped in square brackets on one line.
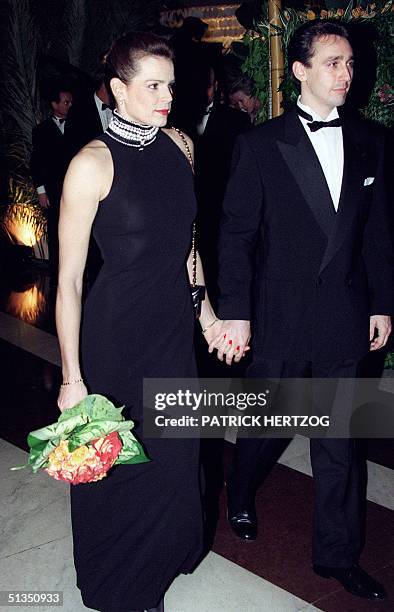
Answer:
[(104, 106), (316, 125), (58, 119)]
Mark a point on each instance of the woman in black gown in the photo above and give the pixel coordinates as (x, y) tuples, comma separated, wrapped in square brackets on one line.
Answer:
[(137, 529)]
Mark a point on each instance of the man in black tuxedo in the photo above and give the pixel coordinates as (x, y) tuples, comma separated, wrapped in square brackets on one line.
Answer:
[(89, 117), (49, 162), (305, 224)]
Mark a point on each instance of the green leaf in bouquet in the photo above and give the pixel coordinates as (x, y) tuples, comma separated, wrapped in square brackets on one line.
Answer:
[(96, 429), (60, 429), (132, 450), (94, 407)]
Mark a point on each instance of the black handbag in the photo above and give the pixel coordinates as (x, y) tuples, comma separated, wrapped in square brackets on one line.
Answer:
[(198, 291)]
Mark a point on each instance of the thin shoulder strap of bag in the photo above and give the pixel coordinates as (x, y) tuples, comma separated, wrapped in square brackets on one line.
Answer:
[(194, 231), (189, 153)]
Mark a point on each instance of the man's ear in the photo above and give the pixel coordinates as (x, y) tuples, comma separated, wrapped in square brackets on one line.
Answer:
[(299, 71)]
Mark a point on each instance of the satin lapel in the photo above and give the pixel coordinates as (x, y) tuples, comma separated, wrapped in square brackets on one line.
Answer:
[(347, 208), (304, 165)]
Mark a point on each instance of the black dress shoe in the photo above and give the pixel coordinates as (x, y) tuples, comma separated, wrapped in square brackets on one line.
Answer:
[(244, 525), (354, 579)]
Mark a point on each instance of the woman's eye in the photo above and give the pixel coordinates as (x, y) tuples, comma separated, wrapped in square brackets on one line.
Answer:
[(153, 86)]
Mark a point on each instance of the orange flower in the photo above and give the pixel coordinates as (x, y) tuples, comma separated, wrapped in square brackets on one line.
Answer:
[(87, 463), (357, 12), (310, 15)]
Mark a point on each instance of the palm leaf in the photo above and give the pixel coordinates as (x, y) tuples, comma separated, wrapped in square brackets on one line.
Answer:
[(20, 100)]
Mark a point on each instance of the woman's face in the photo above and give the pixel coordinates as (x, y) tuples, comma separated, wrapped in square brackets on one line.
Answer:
[(147, 98)]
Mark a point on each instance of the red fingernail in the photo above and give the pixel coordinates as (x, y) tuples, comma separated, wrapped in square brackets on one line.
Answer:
[(237, 349), (224, 335), (230, 341)]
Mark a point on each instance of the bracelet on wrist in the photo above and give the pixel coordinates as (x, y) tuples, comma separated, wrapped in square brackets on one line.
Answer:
[(210, 325), (71, 382)]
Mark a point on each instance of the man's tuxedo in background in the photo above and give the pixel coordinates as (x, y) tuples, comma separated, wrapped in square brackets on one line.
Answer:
[(309, 278), (86, 120), (48, 164)]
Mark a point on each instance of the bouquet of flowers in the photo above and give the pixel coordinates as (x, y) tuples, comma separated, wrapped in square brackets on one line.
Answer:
[(85, 443)]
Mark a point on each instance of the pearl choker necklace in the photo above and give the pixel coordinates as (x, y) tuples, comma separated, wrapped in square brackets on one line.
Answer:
[(131, 134)]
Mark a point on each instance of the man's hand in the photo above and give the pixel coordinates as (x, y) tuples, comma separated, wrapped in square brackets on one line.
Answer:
[(232, 342), (43, 200), (381, 323)]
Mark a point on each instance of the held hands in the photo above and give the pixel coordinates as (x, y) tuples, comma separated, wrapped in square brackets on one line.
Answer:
[(382, 324), (70, 395), (231, 340)]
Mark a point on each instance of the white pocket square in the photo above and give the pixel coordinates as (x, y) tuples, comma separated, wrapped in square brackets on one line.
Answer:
[(369, 181)]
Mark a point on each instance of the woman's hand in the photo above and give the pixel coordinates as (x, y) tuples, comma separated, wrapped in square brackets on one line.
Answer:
[(213, 331), (70, 395), (233, 341)]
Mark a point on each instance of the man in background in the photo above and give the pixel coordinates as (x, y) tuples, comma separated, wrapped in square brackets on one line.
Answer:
[(49, 162)]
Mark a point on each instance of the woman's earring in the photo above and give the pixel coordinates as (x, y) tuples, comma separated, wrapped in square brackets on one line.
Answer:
[(121, 102)]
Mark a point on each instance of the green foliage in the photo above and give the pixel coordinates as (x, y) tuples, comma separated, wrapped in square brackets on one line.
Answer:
[(389, 361), (20, 95), (258, 55)]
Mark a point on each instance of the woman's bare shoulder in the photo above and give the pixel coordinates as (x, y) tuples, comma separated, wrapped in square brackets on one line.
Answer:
[(94, 153), (93, 165)]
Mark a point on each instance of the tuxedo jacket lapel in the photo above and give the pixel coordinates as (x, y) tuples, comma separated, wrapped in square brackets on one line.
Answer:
[(347, 208), (303, 163)]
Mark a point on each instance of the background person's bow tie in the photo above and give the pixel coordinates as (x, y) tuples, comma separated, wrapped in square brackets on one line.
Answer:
[(104, 106), (317, 125)]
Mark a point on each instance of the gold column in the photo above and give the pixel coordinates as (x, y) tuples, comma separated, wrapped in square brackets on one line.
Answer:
[(276, 55)]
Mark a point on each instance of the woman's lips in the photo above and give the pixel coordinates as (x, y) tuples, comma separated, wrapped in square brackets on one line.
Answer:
[(163, 111)]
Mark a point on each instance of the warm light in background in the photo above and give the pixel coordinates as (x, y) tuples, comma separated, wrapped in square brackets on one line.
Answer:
[(24, 224), (30, 304)]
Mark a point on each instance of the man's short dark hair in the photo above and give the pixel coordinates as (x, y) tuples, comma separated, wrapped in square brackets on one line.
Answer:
[(54, 87), (302, 44)]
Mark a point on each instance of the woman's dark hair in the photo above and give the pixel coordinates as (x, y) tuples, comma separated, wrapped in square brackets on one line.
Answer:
[(122, 59), (302, 44)]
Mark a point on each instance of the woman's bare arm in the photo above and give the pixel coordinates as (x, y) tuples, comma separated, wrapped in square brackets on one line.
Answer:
[(87, 181)]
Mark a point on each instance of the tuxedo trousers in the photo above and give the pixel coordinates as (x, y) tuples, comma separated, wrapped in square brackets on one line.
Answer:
[(335, 466)]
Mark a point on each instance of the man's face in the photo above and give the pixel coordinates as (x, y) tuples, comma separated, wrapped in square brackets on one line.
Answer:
[(326, 82), (64, 104)]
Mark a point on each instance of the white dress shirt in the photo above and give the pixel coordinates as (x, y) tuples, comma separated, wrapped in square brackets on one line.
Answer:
[(200, 128), (58, 123), (328, 146), (105, 115)]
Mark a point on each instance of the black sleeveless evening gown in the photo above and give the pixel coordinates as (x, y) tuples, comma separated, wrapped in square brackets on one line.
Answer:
[(139, 527)]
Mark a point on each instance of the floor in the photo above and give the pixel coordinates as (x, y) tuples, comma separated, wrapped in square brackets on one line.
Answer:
[(272, 574)]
